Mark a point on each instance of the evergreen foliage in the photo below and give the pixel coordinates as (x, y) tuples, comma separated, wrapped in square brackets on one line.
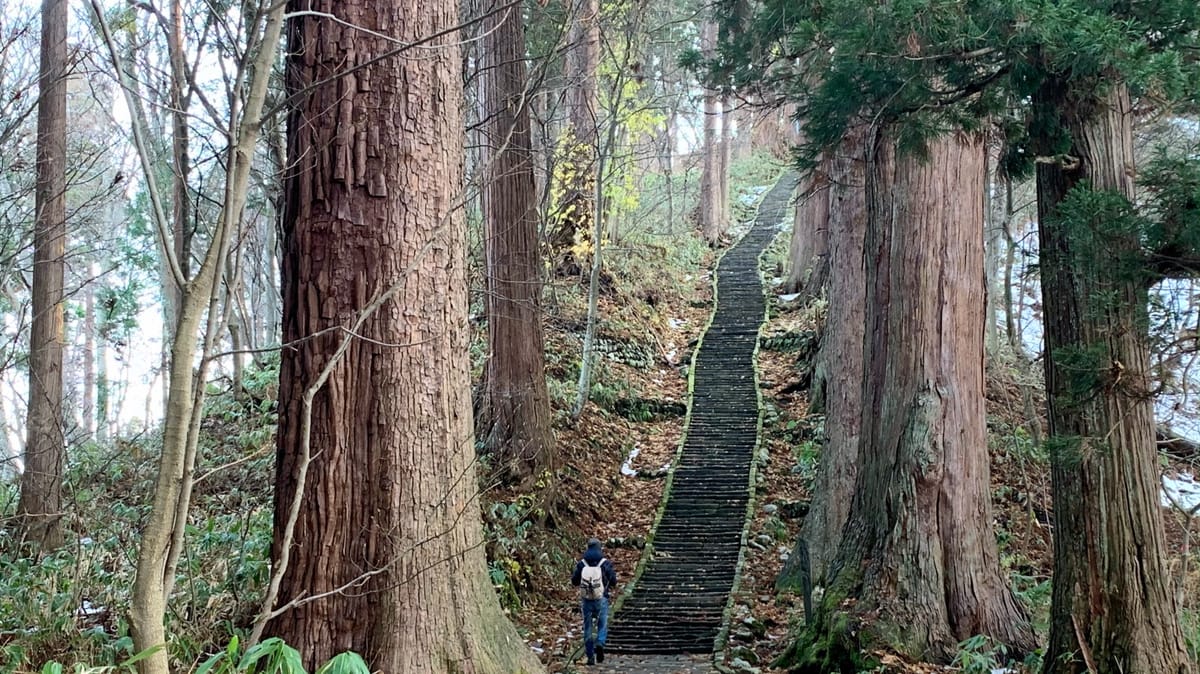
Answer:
[(935, 66)]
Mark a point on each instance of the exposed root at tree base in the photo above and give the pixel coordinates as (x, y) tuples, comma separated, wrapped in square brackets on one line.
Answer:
[(830, 644)]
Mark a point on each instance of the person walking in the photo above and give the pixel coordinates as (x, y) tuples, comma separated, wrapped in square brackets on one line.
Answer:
[(595, 577)]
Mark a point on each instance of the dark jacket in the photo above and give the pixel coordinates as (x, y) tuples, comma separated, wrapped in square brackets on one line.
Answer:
[(592, 557)]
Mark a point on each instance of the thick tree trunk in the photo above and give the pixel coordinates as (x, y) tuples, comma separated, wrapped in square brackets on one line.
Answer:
[(808, 253), (518, 404), (387, 557), (40, 505), (725, 158), (918, 569), (709, 215), (838, 381), (578, 148), (1112, 609)]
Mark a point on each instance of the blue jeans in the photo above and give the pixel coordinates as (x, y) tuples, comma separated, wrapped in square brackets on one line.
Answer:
[(596, 609)]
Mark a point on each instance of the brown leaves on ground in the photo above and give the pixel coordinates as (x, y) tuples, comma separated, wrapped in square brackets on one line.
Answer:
[(595, 498)]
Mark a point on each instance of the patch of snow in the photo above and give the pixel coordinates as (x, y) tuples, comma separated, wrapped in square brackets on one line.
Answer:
[(627, 468), (1174, 315), (537, 650), (751, 195), (676, 323), (777, 281), (1178, 414), (1180, 491), (792, 297), (87, 609)]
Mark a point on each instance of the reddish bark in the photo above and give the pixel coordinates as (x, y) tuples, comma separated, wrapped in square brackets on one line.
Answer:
[(917, 570), (517, 414), (838, 378), (387, 558), (808, 253)]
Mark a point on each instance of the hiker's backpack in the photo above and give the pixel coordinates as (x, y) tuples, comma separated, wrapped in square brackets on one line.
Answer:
[(591, 581)]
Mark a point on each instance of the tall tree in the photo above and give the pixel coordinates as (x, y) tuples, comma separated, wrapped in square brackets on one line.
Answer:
[(837, 381), (518, 403), (709, 220), (378, 531), (578, 149), (808, 252), (40, 505), (724, 159), (917, 570), (1112, 608)]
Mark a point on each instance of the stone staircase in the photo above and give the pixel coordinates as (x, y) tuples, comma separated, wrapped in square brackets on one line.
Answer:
[(678, 602)]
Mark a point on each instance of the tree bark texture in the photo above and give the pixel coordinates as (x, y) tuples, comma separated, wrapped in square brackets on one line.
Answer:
[(575, 169), (838, 379), (918, 569), (1112, 608), (808, 253), (518, 403), (40, 505), (725, 159), (387, 558), (709, 214)]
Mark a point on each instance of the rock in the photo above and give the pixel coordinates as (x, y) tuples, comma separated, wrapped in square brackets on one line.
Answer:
[(635, 542), (770, 508), (743, 634), (741, 665), (757, 546), (764, 539), (794, 510), (744, 653), (756, 627)]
